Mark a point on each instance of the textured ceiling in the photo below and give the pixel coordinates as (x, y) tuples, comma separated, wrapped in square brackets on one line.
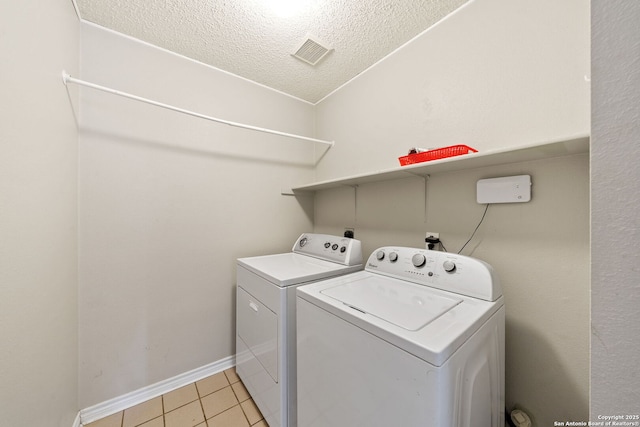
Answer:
[(250, 39)]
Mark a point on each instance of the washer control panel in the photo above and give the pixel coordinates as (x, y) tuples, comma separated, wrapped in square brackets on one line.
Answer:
[(331, 248), (442, 270)]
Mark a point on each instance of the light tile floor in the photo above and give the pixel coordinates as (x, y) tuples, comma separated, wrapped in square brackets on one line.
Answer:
[(217, 401)]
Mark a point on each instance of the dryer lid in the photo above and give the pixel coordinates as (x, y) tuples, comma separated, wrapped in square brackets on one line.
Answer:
[(403, 304), (291, 268)]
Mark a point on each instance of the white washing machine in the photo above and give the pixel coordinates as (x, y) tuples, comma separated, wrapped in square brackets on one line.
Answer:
[(416, 339), (265, 316)]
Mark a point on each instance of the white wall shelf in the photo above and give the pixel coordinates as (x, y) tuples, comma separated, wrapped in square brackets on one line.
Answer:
[(66, 79), (568, 146)]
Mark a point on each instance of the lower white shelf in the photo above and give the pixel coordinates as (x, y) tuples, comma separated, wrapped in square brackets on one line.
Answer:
[(568, 146)]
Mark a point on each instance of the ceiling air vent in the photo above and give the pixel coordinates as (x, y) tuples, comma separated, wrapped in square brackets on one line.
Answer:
[(311, 50)]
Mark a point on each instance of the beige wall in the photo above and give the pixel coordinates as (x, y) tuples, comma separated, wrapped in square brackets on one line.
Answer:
[(495, 74), (38, 194), (168, 202), (615, 228)]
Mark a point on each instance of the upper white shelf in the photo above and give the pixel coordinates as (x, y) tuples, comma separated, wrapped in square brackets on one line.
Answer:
[(575, 145)]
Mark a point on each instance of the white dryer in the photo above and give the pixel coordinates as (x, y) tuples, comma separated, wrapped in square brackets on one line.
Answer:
[(417, 339), (265, 316)]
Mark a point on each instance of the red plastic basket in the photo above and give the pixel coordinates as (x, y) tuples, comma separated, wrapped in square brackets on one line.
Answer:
[(438, 153)]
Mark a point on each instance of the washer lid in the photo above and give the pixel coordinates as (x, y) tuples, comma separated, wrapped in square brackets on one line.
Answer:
[(291, 268), (444, 331), (402, 304)]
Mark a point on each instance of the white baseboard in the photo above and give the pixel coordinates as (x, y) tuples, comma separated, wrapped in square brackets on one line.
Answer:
[(76, 422), (133, 398)]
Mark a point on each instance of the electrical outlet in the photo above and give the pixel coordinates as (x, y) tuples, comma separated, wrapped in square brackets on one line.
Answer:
[(432, 240)]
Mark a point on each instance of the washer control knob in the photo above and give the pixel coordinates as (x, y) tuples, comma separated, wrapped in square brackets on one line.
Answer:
[(334, 246), (418, 260), (393, 257), (303, 242), (380, 255), (449, 266), (326, 245), (343, 249)]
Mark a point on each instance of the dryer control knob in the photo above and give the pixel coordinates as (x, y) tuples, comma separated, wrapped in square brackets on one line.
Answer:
[(380, 255), (393, 257), (449, 266), (418, 260)]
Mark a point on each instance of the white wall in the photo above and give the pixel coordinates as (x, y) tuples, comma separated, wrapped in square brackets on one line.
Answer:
[(38, 195), (495, 74), (168, 202), (615, 227)]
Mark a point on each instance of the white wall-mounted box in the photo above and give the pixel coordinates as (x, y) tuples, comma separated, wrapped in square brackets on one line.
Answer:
[(508, 189)]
